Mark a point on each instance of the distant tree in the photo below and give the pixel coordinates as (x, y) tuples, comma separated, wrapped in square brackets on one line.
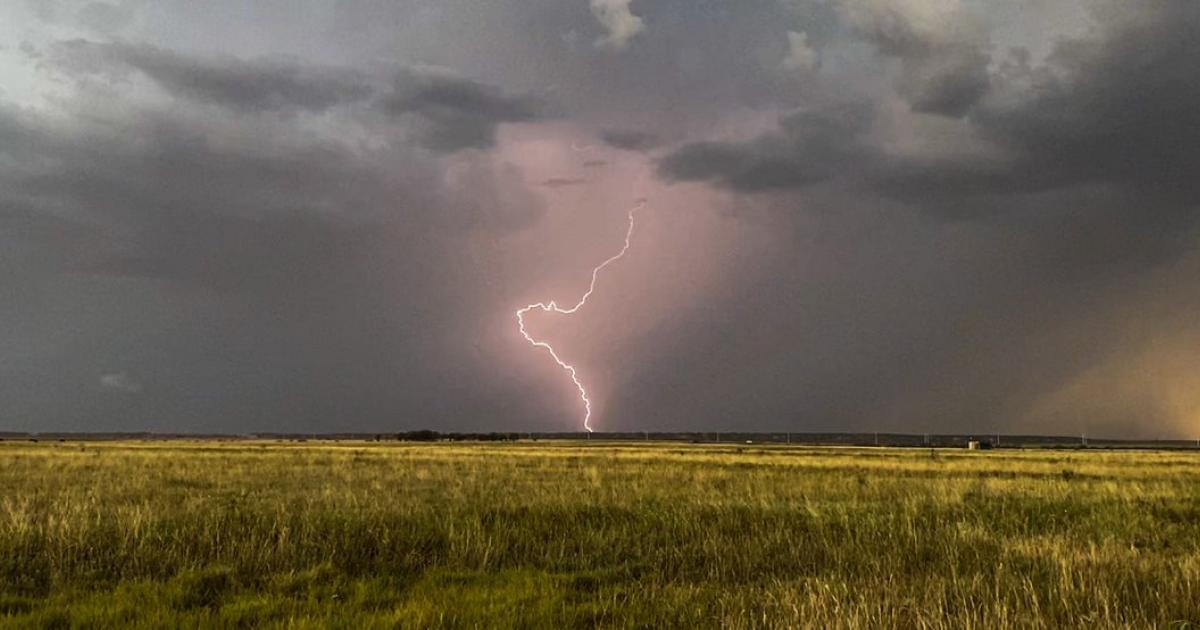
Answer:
[(424, 435)]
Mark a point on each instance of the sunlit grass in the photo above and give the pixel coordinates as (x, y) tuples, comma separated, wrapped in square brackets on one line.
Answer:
[(537, 534)]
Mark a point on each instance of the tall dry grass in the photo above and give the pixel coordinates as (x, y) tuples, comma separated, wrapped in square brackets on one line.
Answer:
[(612, 535)]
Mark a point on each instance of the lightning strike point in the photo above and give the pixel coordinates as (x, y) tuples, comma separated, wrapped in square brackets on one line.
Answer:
[(553, 307)]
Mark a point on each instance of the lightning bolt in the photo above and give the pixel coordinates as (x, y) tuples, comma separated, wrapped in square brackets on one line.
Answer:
[(553, 306)]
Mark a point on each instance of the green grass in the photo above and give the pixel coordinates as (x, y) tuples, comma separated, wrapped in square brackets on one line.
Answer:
[(593, 535)]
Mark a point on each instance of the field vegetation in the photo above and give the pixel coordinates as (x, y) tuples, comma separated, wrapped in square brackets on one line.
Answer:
[(529, 534)]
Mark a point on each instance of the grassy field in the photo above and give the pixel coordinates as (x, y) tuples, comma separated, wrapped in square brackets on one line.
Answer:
[(585, 535)]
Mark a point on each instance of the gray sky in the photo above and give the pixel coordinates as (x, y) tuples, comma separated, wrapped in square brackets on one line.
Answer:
[(907, 215)]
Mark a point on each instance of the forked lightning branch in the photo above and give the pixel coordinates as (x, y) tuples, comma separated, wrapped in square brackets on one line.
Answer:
[(553, 307)]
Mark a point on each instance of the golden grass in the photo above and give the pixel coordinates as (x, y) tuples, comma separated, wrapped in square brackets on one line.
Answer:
[(594, 535)]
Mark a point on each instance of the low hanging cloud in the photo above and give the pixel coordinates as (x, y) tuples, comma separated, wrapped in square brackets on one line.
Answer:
[(618, 21), (630, 139), (1116, 108), (1096, 111), (245, 85), (457, 113), (449, 113), (812, 146)]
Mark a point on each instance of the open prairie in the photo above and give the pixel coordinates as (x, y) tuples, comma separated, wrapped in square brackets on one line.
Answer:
[(544, 534)]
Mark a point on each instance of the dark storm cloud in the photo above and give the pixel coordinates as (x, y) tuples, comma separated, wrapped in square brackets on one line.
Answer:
[(947, 82), (629, 139), (450, 113), (265, 255), (1122, 108), (811, 146), (162, 202), (1074, 171), (255, 85), (229, 263), (1107, 126), (943, 55), (458, 113), (298, 220), (1117, 109), (259, 215)]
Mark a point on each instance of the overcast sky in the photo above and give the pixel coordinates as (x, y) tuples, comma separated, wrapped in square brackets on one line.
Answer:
[(321, 215)]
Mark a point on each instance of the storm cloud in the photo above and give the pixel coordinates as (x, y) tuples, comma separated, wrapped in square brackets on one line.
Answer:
[(457, 113), (862, 215), (231, 237), (630, 139), (248, 85), (1116, 107)]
